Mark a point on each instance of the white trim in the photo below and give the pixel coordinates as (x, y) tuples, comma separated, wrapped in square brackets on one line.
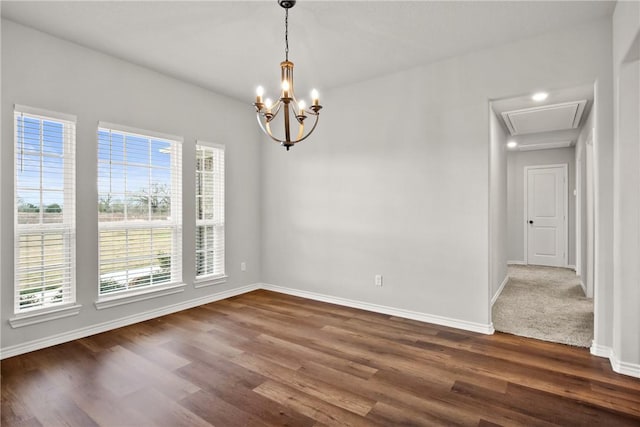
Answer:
[(398, 312), (140, 132), (31, 318), (118, 323), (205, 281), (584, 287), (624, 368), (572, 267), (565, 169), (114, 300), (514, 262), (210, 144), (502, 285), (600, 350), (544, 145), (577, 117), (44, 114)]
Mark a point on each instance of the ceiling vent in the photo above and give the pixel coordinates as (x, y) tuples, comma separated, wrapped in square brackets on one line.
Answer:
[(545, 118)]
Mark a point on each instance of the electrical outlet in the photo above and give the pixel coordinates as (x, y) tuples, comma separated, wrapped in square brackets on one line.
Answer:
[(378, 280), (243, 266)]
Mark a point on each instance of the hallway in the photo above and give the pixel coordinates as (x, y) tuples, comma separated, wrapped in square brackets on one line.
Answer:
[(545, 303)]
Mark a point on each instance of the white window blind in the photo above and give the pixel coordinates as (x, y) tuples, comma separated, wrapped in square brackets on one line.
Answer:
[(209, 210), (44, 223), (139, 209)]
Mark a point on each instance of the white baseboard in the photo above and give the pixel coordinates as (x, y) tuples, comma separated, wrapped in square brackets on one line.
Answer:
[(584, 288), (513, 262), (600, 350), (407, 314), (502, 285), (118, 323), (625, 368), (571, 267)]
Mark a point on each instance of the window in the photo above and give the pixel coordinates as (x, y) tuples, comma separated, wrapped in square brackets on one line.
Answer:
[(139, 209), (209, 210), (45, 228)]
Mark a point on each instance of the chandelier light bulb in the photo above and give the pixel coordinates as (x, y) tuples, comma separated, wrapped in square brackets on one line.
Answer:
[(285, 88), (314, 96), (268, 103), (301, 105), (259, 93)]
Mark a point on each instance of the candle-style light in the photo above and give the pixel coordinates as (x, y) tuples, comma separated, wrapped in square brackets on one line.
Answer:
[(266, 111)]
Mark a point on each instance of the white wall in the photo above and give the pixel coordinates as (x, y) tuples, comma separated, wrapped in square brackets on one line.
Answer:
[(396, 180), (626, 286), (45, 72), (498, 225), (516, 162), (584, 205)]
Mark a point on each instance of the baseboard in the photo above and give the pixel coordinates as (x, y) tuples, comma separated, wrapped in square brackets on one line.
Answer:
[(625, 368), (407, 314), (584, 288), (600, 350), (571, 267), (513, 262), (118, 323), (502, 285)]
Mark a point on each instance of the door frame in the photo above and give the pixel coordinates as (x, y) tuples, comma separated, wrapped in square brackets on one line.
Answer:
[(565, 190)]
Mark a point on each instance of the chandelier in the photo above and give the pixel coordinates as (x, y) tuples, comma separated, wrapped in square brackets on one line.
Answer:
[(293, 111)]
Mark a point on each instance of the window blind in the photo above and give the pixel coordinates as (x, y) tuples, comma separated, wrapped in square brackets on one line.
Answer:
[(139, 210), (44, 209), (209, 210)]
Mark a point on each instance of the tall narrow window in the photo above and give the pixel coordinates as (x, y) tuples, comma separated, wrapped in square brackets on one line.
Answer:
[(139, 209), (45, 227), (209, 210)]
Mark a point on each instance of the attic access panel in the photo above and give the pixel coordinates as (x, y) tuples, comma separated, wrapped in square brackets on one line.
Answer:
[(545, 118)]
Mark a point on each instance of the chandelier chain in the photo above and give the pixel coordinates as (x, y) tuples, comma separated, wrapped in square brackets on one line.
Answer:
[(286, 34)]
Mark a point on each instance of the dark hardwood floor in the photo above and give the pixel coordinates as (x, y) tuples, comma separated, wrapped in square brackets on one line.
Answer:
[(265, 358)]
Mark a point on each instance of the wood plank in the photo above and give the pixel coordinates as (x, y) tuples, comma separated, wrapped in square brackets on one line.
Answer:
[(267, 359)]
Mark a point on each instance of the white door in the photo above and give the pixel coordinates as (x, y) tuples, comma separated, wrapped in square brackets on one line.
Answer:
[(546, 215)]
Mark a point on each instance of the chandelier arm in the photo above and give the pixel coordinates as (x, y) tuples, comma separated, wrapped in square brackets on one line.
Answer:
[(315, 123), (300, 131), (266, 128)]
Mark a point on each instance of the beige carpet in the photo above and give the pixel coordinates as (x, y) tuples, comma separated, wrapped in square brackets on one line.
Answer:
[(546, 303)]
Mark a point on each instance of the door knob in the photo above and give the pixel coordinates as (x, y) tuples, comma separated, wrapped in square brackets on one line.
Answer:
[(530, 222)]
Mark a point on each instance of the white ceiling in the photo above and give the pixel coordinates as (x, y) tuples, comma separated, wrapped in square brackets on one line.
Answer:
[(232, 46), (546, 134)]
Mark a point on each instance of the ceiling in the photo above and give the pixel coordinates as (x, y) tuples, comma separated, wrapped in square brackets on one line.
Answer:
[(553, 123), (232, 46)]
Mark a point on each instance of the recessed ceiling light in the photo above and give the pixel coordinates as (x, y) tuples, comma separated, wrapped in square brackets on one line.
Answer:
[(512, 144), (540, 96)]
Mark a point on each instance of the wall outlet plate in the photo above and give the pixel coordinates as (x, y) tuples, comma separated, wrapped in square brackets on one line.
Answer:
[(378, 280)]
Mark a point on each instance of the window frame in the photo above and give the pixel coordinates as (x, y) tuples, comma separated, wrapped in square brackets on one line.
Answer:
[(214, 278), (67, 228), (175, 283)]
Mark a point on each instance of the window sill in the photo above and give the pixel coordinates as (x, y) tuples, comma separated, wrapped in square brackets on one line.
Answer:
[(44, 315), (135, 296), (205, 281)]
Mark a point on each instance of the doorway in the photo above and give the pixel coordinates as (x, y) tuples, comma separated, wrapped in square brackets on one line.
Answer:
[(548, 225)]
